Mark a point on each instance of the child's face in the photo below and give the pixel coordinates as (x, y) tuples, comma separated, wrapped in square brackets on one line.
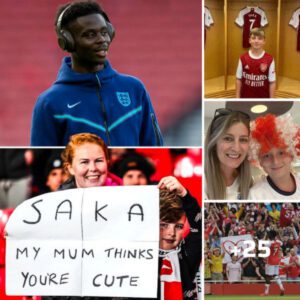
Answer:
[(256, 42), (171, 234), (276, 163), (55, 178), (234, 259)]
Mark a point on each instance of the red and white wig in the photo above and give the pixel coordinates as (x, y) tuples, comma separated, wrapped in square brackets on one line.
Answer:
[(272, 131)]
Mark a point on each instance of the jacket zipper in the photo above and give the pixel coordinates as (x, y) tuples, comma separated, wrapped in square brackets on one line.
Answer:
[(104, 113)]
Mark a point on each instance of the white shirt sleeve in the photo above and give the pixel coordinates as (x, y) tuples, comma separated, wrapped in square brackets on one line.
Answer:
[(240, 18), (239, 70), (264, 20), (294, 21), (208, 20), (272, 73)]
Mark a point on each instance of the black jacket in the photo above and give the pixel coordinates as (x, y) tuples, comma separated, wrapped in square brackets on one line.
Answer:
[(12, 164)]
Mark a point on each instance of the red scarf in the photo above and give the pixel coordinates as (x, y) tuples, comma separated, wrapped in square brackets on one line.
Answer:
[(170, 278)]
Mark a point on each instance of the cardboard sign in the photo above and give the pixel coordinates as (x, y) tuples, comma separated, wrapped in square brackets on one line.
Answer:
[(99, 241)]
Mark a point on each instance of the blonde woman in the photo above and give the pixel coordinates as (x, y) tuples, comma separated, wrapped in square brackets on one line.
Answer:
[(227, 170)]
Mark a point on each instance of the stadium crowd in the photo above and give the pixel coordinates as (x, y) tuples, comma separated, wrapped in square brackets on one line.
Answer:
[(26, 173), (264, 222)]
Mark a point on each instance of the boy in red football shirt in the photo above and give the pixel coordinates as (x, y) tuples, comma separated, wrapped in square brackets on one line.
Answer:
[(255, 75)]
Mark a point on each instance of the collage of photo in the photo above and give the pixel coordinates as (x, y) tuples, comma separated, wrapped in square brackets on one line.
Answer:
[(150, 150), (251, 130)]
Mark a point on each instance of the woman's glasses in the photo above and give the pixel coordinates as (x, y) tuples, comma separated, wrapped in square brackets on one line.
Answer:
[(220, 112)]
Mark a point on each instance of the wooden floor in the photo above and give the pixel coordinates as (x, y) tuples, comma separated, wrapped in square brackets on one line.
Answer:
[(215, 88)]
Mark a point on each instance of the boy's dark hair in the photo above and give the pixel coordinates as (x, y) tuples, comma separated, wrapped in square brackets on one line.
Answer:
[(272, 235), (170, 206), (76, 10)]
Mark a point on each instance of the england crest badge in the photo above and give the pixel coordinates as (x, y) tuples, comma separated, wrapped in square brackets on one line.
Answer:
[(123, 98)]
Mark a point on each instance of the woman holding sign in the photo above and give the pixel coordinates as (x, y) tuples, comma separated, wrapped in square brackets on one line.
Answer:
[(86, 159)]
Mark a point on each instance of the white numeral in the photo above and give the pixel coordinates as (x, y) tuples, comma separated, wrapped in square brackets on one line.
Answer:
[(249, 249), (264, 247)]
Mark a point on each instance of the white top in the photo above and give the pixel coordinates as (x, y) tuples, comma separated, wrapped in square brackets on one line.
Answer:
[(208, 20), (263, 190), (231, 191), (295, 19), (271, 75), (240, 18), (234, 271)]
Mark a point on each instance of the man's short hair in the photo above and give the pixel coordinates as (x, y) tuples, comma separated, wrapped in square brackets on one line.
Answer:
[(257, 32), (76, 10), (170, 206)]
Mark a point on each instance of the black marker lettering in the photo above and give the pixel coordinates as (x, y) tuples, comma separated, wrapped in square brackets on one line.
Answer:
[(64, 212), (39, 213), (106, 281), (149, 253), (88, 253), (121, 279), (32, 280), (52, 276), (97, 212), (133, 280), (41, 280), (36, 251), (21, 251), (139, 213), (108, 251), (74, 255), (25, 278), (64, 278), (94, 280), (62, 252)]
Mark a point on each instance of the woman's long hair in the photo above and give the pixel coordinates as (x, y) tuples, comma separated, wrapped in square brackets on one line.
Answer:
[(215, 183)]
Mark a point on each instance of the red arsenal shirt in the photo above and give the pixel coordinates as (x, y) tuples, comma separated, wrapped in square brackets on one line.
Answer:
[(286, 216), (256, 73), (293, 270), (248, 18), (274, 258)]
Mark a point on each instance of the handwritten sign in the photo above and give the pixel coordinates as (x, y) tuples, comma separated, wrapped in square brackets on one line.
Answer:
[(85, 242)]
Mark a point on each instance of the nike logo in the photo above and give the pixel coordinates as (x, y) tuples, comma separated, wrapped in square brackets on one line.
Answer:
[(73, 105)]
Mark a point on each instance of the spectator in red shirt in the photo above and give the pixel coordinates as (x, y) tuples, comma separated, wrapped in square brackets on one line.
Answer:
[(293, 266)]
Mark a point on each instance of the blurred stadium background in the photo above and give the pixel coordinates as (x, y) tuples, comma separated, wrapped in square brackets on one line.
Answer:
[(157, 41)]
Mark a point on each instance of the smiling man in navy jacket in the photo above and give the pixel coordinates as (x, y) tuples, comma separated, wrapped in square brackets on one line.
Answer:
[(89, 95)]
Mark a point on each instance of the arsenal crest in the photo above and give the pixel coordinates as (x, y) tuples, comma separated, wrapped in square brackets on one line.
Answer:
[(263, 67)]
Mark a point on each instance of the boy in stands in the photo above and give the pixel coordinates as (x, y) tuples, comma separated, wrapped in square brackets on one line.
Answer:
[(179, 257), (255, 75)]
